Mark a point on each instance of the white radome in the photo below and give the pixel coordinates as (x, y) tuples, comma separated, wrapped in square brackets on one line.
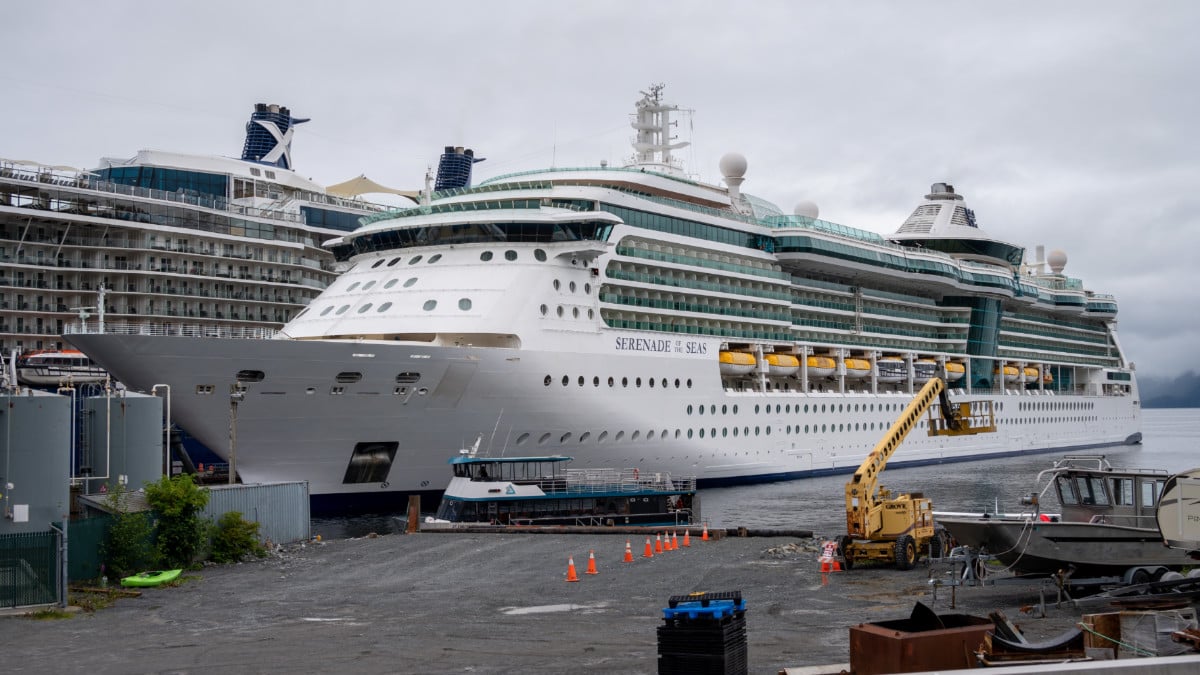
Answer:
[(733, 165), (1057, 260), (807, 209)]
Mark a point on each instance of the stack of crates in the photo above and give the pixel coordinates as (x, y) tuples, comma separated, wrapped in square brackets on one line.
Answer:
[(703, 633)]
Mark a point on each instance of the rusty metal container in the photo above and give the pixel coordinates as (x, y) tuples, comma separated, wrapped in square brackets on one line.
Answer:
[(924, 641)]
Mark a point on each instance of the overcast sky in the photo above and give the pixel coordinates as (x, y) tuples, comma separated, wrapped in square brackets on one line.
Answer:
[(1067, 124)]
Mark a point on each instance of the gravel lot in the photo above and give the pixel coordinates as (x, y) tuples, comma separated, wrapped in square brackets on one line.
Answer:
[(487, 603)]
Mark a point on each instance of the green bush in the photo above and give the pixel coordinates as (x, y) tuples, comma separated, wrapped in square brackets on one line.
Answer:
[(177, 501), (129, 546), (234, 538)]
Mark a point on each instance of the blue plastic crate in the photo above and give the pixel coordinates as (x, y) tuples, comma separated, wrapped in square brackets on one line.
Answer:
[(710, 609)]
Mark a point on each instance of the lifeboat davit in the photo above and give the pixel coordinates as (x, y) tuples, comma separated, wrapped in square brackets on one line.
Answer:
[(781, 365), (924, 370), (858, 368), (821, 366), (892, 369), (1010, 373), (737, 363), (955, 371)]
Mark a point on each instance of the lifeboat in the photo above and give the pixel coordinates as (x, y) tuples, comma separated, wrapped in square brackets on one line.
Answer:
[(781, 365), (892, 369), (737, 363), (1047, 378), (1010, 373), (924, 370), (955, 371), (1031, 374), (858, 368), (821, 366)]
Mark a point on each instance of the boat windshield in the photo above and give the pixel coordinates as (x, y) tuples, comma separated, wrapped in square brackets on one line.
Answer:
[(1085, 490), (514, 472)]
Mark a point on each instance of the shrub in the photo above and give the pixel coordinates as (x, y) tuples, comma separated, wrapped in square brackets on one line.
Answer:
[(177, 501), (233, 538), (129, 546)]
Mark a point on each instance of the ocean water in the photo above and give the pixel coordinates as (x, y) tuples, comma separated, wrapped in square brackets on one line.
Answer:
[(1170, 441)]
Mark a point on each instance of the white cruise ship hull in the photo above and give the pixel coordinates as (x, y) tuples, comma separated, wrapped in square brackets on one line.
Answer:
[(300, 423)]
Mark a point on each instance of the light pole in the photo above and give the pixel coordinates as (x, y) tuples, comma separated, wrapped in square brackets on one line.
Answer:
[(237, 393)]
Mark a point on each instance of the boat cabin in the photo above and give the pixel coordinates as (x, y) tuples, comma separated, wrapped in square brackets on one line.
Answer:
[(1090, 490)]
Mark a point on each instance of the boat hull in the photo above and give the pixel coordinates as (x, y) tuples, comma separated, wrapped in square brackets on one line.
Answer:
[(299, 423), (1031, 546)]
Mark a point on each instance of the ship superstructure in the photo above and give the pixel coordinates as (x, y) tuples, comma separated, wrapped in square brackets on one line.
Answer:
[(630, 316), (198, 243)]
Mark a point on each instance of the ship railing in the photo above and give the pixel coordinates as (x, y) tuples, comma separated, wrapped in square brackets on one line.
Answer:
[(172, 329), (624, 480)]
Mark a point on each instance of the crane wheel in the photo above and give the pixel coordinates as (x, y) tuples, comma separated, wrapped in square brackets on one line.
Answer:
[(906, 552)]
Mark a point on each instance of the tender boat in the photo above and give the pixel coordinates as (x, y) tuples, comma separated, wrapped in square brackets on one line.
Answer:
[(1107, 524), (542, 491), (924, 370), (892, 369), (48, 367)]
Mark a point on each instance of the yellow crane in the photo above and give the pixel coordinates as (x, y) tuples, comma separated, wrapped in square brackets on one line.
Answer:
[(893, 528)]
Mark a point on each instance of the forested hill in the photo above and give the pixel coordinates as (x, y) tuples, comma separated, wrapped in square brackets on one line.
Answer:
[(1163, 392)]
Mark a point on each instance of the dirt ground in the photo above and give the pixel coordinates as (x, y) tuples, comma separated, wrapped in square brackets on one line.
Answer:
[(490, 603)]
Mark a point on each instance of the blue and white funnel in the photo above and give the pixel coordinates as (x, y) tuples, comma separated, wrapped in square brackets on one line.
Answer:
[(454, 168), (269, 135)]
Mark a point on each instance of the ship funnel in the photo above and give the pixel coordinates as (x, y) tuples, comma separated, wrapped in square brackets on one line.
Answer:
[(269, 135), (454, 168)]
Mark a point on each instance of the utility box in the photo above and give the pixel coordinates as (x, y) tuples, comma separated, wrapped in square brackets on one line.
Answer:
[(924, 641)]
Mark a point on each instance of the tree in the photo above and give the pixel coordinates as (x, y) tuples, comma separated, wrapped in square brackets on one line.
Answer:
[(129, 546), (177, 501)]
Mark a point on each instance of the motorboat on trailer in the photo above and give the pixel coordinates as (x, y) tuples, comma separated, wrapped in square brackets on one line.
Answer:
[(542, 491), (1107, 525)]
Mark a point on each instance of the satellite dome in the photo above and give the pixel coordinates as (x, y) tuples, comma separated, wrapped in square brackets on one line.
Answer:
[(806, 208), (733, 165), (1057, 260)]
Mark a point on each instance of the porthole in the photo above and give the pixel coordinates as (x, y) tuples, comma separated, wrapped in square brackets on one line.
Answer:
[(664, 383), (724, 410), (559, 311), (571, 286), (676, 379), (393, 261), (539, 255), (564, 438), (510, 255), (735, 409), (434, 258), (581, 380), (689, 383), (595, 381), (624, 381), (566, 380), (364, 308), (602, 437), (611, 382), (557, 284), (342, 309), (327, 310), (689, 433), (384, 307), (464, 304), (638, 382), (700, 410), (409, 282), (544, 437), (352, 286), (548, 380), (689, 409), (755, 408), (724, 432), (544, 310), (391, 283), (575, 312), (735, 432), (591, 313), (701, 432), (522, 438), (584, 436), (367, 286), (587, 289), (377, 263), (620, 435), (635, 435), (429, 305), (485, 256), (712, 409), (415, 260), (650, 382)]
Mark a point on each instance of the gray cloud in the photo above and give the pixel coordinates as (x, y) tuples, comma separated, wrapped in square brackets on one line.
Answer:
[(1069, 124)]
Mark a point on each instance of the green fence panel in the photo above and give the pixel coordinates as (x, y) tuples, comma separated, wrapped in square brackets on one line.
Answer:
[(85, 545), (29, 569)]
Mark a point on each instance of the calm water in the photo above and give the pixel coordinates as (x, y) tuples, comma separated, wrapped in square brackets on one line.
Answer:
[(1171, 441)]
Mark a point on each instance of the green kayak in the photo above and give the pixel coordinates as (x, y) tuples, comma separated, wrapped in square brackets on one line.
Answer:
[(153, 578)]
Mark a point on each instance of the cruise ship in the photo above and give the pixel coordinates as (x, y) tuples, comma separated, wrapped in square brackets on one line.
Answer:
[(634, 317), (202, 244)]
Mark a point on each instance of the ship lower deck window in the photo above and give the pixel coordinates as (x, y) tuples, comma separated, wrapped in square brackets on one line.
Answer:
[(370, 462), (250, 376), (407, 378), (348, 377)]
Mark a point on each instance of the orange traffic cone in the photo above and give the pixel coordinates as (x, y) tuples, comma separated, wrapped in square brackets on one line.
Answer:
[(571, 576), (704, 533), (687, 538), (674, 541), (658, 547), (628, 552), (591, 563), (649, 549)]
